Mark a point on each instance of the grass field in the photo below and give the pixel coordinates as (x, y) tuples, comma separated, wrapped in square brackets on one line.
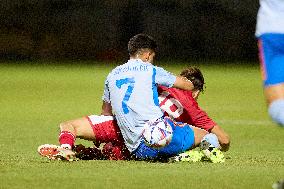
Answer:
[(35, 98)]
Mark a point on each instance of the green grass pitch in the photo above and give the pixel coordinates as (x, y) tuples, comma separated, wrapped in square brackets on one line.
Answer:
[(35, 98)]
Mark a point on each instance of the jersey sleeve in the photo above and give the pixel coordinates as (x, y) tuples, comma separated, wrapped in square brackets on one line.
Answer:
[(202, 120), (198, 116), (106, 94), (163, 77)]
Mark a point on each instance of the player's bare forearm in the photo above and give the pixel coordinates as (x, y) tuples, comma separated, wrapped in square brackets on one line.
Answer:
[(223, 137), (106, 109), (183, 83)]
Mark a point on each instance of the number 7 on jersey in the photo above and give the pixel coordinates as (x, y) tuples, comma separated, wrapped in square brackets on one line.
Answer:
[(130, 82)]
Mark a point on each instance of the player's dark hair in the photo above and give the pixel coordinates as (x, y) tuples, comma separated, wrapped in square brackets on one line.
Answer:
[(195, 76), (140, 42)]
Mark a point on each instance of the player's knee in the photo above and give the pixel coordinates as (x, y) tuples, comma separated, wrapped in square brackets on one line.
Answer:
[(276, 111), (67, 125)]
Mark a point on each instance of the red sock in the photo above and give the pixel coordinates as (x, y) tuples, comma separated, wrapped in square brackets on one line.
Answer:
[(66, 139)]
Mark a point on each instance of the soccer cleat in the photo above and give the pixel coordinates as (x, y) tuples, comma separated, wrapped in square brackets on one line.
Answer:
[(54, 152), (211, 153), (188, 156), (48, 150)]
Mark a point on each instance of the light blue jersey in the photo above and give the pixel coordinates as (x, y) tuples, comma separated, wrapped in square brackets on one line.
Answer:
[(131, 89), (270, 17)]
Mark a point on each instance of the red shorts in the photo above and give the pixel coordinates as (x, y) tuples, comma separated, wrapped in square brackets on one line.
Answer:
[(107, 131)]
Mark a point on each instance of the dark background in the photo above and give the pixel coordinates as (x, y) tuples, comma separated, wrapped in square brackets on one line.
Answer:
[(100, 30)]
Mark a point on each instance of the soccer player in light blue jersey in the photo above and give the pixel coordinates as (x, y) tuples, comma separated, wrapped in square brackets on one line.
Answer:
[(131, 95), (270, 34)]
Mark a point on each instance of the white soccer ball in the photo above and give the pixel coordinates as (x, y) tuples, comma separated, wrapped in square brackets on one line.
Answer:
[(157, 134)]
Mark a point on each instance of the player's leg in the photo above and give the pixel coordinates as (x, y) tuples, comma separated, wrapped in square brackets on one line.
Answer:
[(69, 130), (275, 99), (175, 146), (99, 129), (271, 54), (183, 138), (198, 135), (209, 150), (78, 128), (190, 137)]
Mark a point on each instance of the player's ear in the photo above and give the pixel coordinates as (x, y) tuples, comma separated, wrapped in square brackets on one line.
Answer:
[(195, 94), (148, 54)]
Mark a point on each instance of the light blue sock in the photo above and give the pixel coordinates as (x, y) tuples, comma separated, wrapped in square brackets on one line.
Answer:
[(276, 111), (212, 139)]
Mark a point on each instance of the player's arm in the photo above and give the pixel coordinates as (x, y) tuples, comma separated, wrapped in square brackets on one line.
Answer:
[(200, 119), (106, 109), (183, 83), (223, 137)]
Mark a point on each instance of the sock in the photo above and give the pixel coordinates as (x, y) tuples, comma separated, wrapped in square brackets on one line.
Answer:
[(276, 111), (66, 139), (212, 139)]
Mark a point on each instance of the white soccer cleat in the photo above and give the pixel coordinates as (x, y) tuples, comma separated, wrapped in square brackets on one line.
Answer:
[(54, 152), (48, 150)]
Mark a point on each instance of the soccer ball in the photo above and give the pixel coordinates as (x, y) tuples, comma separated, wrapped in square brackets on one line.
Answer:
[(157, 134)]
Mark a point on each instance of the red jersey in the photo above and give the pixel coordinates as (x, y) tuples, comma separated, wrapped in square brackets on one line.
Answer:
[(181, 106)]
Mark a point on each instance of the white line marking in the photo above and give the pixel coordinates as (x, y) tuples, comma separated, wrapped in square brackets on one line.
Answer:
[(245, 122)]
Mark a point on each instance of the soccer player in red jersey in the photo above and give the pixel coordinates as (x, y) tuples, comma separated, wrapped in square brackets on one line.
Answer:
[(178, 104), (182, 106)]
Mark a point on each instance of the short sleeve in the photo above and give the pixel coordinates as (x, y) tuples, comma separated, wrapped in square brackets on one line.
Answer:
[(106, 94), (163, 77)]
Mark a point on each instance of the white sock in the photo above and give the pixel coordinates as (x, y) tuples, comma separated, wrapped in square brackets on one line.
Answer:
[(66, 146), (212, 139), (276, 111)]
